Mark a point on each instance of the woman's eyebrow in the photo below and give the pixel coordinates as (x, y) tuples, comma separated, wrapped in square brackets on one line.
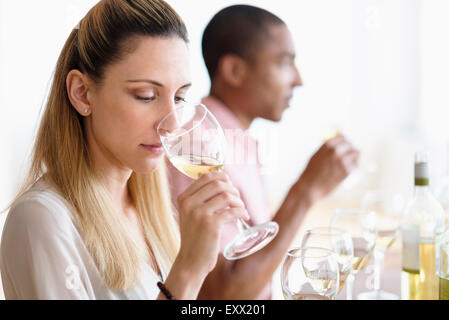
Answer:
[(156, 83), (147, 81)]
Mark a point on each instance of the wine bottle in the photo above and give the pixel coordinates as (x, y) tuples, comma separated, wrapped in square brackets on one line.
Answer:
[(443, 265), (422, 222)]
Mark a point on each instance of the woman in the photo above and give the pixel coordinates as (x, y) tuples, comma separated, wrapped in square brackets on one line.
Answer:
[(94, 220)]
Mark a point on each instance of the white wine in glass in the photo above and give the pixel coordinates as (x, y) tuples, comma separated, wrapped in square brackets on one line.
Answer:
[(388, 206), (362, 254), (195, 144), (308, 296), (195, 166), (361, 225), (443, 266), (310, 273), (385, 238), (337, 240)]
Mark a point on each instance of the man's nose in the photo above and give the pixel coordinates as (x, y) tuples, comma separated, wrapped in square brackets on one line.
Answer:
[(297, 78)]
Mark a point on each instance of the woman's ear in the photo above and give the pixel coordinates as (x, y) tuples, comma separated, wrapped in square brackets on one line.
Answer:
[(77, 89), (232, 70)]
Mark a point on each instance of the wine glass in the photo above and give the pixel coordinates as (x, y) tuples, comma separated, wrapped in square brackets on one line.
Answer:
[(310, 273), (388, 206), (337, 240), (442, 250), (195, 144), (362, 227)]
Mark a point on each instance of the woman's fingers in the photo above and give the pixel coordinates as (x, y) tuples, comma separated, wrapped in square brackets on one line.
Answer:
[(206, 193), (223, 201), (232, 214), (201, 182)]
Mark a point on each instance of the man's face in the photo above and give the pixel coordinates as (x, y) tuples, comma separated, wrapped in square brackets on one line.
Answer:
[(272, 75)]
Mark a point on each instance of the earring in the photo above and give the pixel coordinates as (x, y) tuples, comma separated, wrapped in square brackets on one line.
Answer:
[(86, 110)]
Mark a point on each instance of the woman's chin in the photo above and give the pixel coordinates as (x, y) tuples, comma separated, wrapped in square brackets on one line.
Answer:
[(149, 166)]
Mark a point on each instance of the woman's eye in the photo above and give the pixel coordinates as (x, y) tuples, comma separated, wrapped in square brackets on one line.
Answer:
[(180, 99), (145, 99)]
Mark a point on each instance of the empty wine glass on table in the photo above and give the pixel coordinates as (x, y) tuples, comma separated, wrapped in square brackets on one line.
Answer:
[(310, 273), (388, 206), (195, 144), (361, 225), (336, 240)]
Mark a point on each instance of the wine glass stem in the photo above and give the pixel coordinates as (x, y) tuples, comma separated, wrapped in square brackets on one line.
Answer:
[(378, 260), (349, 286), (242, 225)]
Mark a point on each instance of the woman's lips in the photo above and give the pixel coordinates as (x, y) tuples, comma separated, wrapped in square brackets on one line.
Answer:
[(154, 148)]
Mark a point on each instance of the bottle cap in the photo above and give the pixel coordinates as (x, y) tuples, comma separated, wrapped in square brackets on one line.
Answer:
[(422, 169)]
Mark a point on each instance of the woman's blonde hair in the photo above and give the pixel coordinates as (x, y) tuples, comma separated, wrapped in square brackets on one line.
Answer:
[(61, 153)]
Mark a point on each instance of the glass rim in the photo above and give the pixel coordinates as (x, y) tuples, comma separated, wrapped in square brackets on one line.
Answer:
[(187, 104), (293, 252), (327, 231), (353, 211), (383, 191)]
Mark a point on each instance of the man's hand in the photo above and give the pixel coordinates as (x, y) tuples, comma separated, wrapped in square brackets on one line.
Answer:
[(328, 167)]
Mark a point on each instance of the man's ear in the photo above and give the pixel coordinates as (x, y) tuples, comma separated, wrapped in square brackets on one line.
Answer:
[(77, 85), (233, 69)]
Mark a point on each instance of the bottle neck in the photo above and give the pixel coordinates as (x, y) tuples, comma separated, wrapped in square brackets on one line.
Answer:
[(421, 190)]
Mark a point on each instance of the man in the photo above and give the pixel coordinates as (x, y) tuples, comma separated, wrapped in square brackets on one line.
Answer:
[(249, 54)]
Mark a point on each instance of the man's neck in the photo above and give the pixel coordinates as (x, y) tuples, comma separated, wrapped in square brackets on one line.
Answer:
[(233, 104)]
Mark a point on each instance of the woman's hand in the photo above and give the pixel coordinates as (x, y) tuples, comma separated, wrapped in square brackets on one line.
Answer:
[(204, 207)]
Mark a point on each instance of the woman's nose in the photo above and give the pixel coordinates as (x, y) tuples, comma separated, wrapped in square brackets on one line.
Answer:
[(168, 120)]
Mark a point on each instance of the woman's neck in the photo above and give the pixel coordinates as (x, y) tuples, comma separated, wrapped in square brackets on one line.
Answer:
[(112, 175)]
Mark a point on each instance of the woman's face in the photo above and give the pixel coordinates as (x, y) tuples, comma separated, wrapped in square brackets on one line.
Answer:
[(134, 95)]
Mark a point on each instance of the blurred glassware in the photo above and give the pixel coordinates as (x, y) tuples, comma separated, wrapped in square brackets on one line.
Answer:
[(361, 225), (310, 273), (337, 240), (442, 192), (388, 206)]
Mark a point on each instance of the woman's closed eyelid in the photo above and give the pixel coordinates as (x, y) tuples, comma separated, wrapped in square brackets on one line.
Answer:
[(146, 99), (153, 98)]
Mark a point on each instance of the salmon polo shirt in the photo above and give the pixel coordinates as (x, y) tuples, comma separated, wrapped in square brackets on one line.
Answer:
[(243, 168)]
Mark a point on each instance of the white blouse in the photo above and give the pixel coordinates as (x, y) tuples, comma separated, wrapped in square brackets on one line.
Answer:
[(42, 255)]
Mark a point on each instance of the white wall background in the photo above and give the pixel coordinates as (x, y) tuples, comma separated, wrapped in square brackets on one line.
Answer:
[(378, 69)]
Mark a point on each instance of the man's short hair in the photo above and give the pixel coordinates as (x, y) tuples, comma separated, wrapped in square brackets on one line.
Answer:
[(239, 30)]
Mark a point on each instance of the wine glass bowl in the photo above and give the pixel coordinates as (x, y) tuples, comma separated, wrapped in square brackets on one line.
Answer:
[(195, 144), (443, 265), (336, 240), (361, 224), (388, 206), (310, 273), (193, 140)]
